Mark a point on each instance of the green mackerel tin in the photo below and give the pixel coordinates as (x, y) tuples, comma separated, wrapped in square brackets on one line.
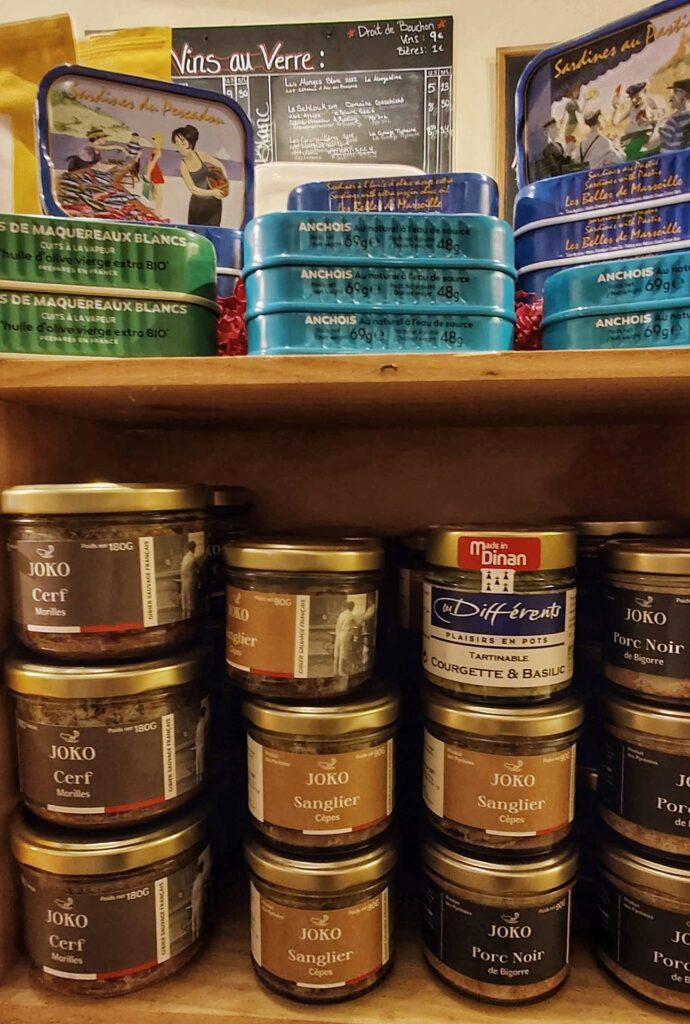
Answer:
[(61, 251)]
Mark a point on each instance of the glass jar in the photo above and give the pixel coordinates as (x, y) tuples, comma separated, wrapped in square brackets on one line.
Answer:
[(106, 571), (644, 775), (110, 745), (499, 612), (322, 777), (501, 778), (411, 569), (498, 930), (643, 933), (321, 929), (105, 916), (301, 615), (231, 515)]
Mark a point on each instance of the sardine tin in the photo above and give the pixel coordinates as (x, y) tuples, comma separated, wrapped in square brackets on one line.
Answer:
[(296, 237), (424, 193), (661, 324), (227, 243), (282, 288)]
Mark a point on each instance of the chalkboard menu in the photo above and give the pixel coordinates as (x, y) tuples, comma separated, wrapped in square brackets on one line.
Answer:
[(349, 92)]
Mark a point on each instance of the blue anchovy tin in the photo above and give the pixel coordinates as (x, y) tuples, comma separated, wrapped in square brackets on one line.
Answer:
[(280, 289), (424, 193), (651, 280), (337, 331), (662, 324), (279, 238)]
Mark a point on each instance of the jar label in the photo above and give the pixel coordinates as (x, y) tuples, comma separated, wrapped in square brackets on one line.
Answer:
[(300, 636), (508, 641), (321, 794), (411, 599), (648, 633), (116, 930), (315, 950), (107, 585), (524, 795), (496, 945), (651, 943), (645, 786), (111, 769)]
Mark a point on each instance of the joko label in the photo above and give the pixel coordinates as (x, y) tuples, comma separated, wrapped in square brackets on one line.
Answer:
[(648, 632)]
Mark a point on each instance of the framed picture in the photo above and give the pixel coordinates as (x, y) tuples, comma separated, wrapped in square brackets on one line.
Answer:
[(510, 63)]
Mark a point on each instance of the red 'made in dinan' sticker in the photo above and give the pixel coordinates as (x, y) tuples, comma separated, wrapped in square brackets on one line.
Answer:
[(522, 554)]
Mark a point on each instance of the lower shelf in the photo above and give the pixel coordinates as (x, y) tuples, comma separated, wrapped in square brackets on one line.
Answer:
[(220, 986)]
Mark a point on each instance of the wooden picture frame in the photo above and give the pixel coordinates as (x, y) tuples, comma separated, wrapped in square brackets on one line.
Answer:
[(511, 61)]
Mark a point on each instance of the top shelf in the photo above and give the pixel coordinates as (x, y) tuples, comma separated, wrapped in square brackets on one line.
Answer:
[(527, 387)]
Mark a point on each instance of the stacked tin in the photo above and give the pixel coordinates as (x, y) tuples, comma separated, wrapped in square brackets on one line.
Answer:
[(391, 280)]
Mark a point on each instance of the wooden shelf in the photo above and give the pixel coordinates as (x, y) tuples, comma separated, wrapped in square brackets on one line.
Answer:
[(358, 390)]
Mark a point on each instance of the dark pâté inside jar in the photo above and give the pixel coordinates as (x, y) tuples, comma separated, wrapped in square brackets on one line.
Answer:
[(647, 633), (107, 915), (321, 928), (498, 929), (301, 614), (105, 571), (322, 776), (501, 778), (499, 611), (110, 745)]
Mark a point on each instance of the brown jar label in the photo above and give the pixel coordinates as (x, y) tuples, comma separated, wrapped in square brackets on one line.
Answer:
[(321, 794), (299, 636), (332, 949), (116, 931), (525, 795), (111, 769), (107, 585)]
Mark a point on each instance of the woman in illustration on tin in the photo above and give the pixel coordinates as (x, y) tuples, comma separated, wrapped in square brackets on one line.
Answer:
[(203, 175)]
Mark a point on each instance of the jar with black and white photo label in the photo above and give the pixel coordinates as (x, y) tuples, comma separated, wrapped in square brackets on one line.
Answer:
[(230, 515), (647, 633), (107, 915), (301, 615), (643, 922), (498, 929), (499, 612), (321, 928)]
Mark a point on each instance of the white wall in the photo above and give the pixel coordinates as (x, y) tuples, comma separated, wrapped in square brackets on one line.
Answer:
[(480, 27)]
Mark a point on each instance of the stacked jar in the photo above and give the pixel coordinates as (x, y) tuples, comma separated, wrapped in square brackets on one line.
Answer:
[(112, 713), (644, 774), (301, 644), (501, 727)]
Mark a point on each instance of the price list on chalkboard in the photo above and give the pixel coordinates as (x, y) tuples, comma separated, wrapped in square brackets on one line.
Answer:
[(350, 92)]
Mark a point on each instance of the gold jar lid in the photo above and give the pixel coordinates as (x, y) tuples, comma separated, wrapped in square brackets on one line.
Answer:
[(100, 499), (501, 877), (539, 720), (603, 528), (309, 554), (121, 679), (379, 710), (61, 851), (321, 875), (232, 497), (662, 557), (501, 547), (670, 878), (671, 723)]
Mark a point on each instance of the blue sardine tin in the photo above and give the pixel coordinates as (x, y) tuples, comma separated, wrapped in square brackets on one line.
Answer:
[(663, 324), (337, 331), (283, 288), (295, 237), (424, 193)]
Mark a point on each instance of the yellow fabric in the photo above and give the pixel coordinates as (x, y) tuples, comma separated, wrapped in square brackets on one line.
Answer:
[(129, 51), (27, 50)]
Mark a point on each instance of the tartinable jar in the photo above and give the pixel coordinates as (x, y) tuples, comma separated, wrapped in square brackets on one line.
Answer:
[(321, 929), (230, 515), (301, 615), (105, 571), (647, 634), (644, 774), (501, 777), (110, 745), (322, 776), (499, 611), (104, 916), (498, 929), (643, 931), (411, 569)]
